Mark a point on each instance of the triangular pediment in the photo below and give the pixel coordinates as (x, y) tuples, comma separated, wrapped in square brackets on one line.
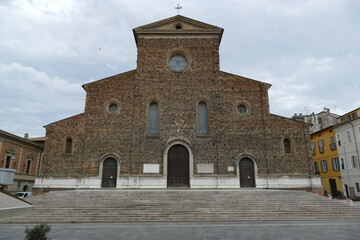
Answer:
[(179, 25), (179, 20)]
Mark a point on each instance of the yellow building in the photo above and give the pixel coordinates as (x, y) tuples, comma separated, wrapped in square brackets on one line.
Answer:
[(326, 160), (349, 116)]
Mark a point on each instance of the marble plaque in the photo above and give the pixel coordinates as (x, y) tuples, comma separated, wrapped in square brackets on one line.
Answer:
[(230, 169), (151, 168), (205, 168)]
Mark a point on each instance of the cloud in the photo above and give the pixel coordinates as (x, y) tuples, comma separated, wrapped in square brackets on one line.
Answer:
[(31, 99), (308, 50)]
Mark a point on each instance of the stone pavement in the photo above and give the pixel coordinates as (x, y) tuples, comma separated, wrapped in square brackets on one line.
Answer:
[(308, 230)]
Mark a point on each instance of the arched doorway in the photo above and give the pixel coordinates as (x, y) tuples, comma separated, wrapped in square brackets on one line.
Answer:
[(178, 167), (247, 175), (109, 172)]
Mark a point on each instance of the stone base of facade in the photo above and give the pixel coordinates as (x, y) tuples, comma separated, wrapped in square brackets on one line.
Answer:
[(22, 183), (201, 181)]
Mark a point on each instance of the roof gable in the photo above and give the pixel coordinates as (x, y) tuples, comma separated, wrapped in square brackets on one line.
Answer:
[(178, 25), (225, 74), (170, 23), (117, 76)]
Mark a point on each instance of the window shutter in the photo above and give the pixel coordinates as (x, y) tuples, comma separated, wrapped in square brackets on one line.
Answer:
[(313, 148), (335, 164), (316, 164), (324, 167)]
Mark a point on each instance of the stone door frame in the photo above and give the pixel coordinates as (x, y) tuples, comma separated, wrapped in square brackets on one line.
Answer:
[(191, 158), (101, 166), (255, 161), (179, 160)]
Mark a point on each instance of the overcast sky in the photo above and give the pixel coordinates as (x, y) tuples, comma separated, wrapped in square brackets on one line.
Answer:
[(309, 50)]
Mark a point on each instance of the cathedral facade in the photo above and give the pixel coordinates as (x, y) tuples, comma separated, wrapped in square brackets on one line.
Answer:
[(177, 120)]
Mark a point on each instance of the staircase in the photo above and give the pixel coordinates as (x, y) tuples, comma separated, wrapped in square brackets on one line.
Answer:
[(80, 206)]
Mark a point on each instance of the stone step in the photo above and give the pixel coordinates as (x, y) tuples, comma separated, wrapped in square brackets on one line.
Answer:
[(203, 216), (225, 208), (185, 206), (219, 209), (178, 219)]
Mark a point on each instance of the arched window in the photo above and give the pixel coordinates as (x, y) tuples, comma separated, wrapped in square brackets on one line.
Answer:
[(68, 146), (287, 145), (202, 119), (154, 118)]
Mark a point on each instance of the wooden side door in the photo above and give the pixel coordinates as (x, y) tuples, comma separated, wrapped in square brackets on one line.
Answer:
[(178, 167), (247, 175), (333, 188), (109, 173)]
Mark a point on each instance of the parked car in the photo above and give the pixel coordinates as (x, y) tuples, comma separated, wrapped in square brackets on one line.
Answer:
[(23, 194)]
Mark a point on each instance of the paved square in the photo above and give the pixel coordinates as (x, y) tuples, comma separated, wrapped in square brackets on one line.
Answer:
[(308, 230)]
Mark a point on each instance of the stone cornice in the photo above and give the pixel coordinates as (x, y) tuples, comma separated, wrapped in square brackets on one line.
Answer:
[(19, 140)]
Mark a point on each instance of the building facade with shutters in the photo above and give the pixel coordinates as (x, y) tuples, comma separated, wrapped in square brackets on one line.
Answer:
[(349, 116), (177, 120), (318, 121), (326, 160), (22, 155), (348, 143)]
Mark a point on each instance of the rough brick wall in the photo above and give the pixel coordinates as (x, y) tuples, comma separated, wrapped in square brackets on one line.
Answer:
[(97, 133), (55, 161)]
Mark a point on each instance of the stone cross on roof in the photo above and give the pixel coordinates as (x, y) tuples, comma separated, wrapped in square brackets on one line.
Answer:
[(178, 7)]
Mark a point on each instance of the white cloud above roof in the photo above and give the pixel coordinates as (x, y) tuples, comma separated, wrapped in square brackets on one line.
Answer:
[(308, 50)]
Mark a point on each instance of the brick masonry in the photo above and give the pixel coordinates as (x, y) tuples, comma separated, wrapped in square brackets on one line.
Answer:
[(96, 132), (20, 150)]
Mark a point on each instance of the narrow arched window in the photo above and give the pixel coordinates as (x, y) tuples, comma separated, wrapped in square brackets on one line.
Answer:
[(154, 118), (68, 146), (202, 118), (287, 146)]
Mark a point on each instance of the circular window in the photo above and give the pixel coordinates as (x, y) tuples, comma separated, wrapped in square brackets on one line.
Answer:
[(178, 63), (241, 109), (113, 108)]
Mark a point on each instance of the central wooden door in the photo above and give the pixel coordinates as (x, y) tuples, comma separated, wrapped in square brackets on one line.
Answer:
[(109, 173), (178, 167), (247, 176)]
